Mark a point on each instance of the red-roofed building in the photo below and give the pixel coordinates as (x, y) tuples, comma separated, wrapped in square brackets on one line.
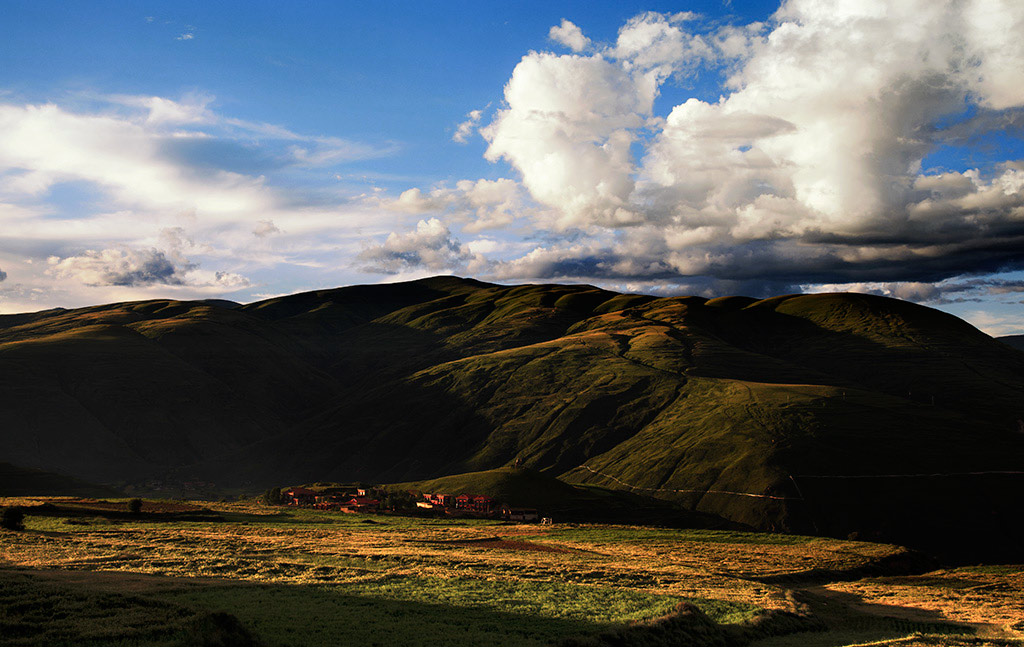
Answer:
[(483, 503), (298, 496), (474, 502), (361, 504)]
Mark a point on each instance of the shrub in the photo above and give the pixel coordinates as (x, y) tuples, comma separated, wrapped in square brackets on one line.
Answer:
[(272, 496), (12, 519), (135, 506), (398, 500)]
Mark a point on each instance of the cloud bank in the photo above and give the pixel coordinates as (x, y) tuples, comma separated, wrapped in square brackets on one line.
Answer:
[(115, 196), (830, 157)]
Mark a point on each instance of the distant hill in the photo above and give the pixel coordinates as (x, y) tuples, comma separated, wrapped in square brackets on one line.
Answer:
[(1017, 341), (19, 481), (829, 413)]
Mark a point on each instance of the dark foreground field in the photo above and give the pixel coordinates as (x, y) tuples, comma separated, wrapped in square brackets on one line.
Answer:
[(238, 574)]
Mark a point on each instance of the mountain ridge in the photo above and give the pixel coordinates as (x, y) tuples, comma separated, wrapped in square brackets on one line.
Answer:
[(684, 397)]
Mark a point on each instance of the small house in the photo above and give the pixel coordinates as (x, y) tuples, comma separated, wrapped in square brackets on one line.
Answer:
[(519, 514), (476, 503), (441, 500), (361, 504), (331, 501), (298, 496), (482, 503)]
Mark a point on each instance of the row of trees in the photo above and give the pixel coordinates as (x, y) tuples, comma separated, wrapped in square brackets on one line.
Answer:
[(13, 517)]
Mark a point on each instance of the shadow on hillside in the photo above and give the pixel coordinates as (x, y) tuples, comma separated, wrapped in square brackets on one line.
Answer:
[(964, 519), (794, 350), (945, 372)]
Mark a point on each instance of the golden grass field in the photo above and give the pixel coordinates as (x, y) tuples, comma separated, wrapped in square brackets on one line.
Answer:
[(303, 577)]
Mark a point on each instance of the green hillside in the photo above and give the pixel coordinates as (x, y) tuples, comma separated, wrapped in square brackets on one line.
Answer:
[(747, 409)]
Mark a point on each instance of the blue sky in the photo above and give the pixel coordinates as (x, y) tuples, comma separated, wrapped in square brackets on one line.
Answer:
[(391, 72), (244, 150)]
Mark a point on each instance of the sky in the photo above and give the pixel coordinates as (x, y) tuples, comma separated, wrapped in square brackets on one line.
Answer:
[(196, 150)]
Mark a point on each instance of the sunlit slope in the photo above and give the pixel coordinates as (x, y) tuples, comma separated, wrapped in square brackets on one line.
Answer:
[(732, 406)]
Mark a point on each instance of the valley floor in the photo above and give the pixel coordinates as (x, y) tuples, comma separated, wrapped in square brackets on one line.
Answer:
[(87, 574)]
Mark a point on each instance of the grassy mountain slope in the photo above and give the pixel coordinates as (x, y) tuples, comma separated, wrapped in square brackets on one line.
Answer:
[(732, 406), (147, 385)]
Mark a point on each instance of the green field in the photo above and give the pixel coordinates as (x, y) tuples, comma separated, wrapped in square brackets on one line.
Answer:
[(82, 573)]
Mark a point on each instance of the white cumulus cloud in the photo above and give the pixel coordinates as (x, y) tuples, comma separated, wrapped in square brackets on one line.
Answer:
[(127, 267), (430, 246), (570, 35), (477, 205), (466, 128), (811, 166)]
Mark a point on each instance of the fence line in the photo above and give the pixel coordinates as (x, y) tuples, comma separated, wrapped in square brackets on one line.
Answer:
[(650, 489)]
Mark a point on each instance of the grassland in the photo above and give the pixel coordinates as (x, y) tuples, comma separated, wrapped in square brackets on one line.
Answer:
[(249, 574)]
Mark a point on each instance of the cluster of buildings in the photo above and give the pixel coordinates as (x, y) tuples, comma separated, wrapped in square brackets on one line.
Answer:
[(368, 500), (469, 502), (474, 505), (337, 499)]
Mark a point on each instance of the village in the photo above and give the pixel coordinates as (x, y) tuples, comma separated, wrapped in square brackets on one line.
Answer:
[(371, 500)]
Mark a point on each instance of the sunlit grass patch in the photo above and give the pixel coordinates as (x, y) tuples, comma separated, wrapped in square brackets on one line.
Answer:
[(428, 611), (727, 612), (542, 599)]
